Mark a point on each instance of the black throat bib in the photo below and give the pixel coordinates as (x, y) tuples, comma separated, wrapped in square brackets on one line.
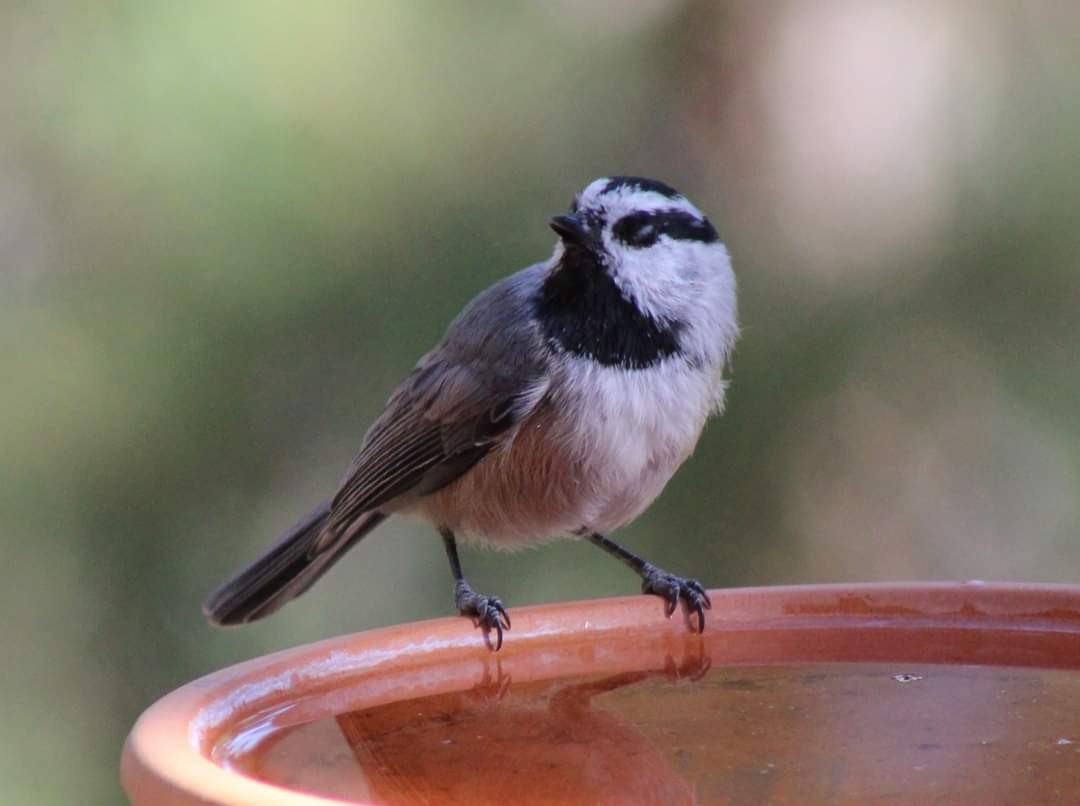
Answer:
[(582, 312)]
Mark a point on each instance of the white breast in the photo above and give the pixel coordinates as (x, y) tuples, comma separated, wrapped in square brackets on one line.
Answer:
[(631, 429)]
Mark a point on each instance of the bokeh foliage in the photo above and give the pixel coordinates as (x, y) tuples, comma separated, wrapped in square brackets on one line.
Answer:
[(226, 230)]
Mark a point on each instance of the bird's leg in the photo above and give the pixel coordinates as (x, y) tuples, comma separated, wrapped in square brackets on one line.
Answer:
[(657, 580), (488, 611)]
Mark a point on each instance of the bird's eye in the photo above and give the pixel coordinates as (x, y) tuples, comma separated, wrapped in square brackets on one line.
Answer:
[(645, 234), (638, 231)]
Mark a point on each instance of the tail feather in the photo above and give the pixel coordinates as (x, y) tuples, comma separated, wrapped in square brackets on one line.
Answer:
[(286, 570)]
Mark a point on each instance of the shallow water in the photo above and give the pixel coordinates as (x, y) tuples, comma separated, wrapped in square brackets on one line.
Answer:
[(807, 733)]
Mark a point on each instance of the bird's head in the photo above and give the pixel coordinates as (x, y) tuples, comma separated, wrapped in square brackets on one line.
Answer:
[(639, 274)]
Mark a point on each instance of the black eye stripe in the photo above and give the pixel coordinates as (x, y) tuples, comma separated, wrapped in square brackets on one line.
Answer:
[(641, 230)]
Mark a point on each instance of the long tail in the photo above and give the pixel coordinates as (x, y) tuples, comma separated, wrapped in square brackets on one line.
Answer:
[(286, 570)]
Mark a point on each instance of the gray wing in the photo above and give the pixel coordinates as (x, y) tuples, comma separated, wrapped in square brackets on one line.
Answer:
[(464, 397)]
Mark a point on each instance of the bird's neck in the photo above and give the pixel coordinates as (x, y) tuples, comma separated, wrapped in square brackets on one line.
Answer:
[(582, 311)]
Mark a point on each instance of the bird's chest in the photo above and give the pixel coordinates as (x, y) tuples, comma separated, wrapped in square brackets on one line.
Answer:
[(631, 429), (595, 454)]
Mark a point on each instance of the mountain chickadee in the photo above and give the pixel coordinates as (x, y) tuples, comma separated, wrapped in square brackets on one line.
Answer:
[(559, 403)]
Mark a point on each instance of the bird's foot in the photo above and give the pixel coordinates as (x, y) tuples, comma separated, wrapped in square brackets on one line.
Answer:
[(487, 612), (673, 588)]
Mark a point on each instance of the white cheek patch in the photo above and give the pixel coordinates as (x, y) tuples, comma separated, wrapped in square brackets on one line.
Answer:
[(652, 278), (688, 283)]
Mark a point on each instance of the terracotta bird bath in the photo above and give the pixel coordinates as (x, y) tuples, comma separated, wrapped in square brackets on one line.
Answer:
[(918, 693)]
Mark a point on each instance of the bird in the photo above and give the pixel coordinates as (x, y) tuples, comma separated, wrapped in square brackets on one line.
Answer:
[(558, 404)]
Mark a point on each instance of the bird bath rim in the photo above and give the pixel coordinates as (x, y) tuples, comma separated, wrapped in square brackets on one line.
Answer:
[(166, 758)]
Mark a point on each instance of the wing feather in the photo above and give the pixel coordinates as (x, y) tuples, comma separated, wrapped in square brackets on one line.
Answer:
[(462, 399), (408, 451)]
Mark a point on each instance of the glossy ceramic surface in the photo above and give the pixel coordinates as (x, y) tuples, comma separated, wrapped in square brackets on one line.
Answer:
[(859, 694)]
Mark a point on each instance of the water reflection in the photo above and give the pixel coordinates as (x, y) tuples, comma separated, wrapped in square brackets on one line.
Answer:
[(693, 731), (499, 743)]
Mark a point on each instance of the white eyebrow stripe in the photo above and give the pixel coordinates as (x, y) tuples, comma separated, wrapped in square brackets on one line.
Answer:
[(652, 203)]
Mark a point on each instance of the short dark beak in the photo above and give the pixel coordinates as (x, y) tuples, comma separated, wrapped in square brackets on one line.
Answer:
[(574, 231)]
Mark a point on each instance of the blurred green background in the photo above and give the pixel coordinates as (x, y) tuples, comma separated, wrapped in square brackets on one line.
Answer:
[(227, 230)]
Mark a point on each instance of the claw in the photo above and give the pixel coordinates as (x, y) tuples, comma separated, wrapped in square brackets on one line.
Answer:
[(497, 625), (504, 617), (673, 601), (700, 615), (487, 612), (697, 588), (672, 589)]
